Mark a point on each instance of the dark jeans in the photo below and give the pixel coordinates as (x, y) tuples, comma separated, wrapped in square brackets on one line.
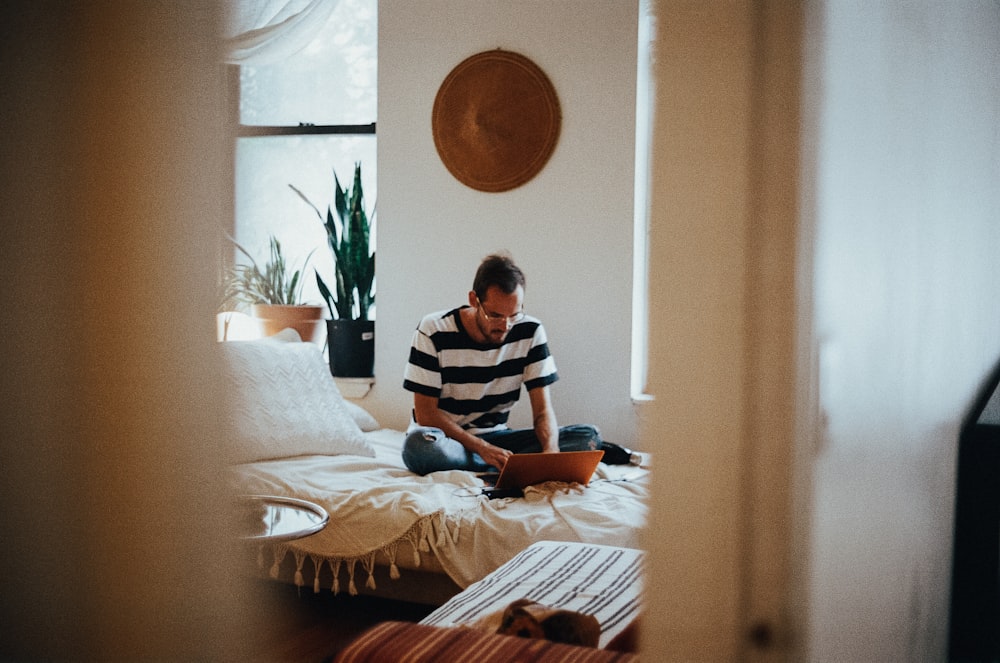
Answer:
[(427, 450)]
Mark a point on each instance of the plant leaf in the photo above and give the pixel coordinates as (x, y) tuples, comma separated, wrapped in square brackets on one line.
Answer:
[(349, 238)]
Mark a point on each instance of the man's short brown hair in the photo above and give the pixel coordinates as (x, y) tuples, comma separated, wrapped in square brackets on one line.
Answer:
[(497, 270)]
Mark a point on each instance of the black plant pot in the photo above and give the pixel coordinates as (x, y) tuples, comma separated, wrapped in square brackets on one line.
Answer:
[(352, 348)]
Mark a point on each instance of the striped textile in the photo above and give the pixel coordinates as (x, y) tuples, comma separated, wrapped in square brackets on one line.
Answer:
[(477, 384), (603, 581), (399, 642)]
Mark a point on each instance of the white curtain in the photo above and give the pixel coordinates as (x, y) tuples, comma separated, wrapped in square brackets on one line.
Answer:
[(262, 32)]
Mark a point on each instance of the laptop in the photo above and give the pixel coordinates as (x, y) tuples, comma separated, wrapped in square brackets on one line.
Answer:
[(522, 470)]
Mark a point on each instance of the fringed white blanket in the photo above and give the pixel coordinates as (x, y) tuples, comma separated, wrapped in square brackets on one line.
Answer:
[(379, 508)]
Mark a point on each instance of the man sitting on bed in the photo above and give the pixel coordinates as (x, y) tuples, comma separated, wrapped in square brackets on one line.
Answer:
[(466, 369)]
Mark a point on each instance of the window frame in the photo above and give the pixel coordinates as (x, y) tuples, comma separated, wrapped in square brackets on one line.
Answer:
[(238, 130), (301, 129)]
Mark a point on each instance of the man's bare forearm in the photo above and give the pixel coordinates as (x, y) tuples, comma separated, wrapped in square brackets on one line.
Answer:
[(547, 431), (427, 413), (452, 430)]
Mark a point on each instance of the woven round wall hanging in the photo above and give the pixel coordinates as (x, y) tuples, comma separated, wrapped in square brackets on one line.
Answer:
[(496, 120)]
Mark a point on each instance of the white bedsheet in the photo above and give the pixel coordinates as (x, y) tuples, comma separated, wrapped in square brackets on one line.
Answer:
[(378, 506)]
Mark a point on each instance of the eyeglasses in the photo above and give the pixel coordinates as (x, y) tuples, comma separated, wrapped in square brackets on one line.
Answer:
[(497, 318)]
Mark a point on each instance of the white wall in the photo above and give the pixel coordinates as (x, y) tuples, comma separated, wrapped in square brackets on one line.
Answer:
[(906, 107), (570, 228)]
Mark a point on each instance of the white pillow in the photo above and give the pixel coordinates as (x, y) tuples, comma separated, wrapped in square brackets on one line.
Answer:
[(365, 421), (284, 402), (362, 417)]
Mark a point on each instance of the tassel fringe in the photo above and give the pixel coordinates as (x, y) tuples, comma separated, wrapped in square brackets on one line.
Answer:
[(433, 529), (299, 559), (335, 568), (352, 589)]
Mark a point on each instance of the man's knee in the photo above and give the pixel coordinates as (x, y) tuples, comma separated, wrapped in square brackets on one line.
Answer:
[(422, 436), (579, 437), (419, 449)]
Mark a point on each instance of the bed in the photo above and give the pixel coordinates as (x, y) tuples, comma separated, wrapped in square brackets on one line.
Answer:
[(390, 532)]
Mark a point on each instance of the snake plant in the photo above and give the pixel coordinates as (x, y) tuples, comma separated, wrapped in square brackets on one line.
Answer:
[(348, 235)]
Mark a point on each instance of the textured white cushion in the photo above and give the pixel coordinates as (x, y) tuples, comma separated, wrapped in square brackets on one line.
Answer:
[(362, 417), (284, 402)]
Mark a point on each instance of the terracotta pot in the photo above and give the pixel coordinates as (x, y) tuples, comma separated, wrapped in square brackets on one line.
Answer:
[(307, 320)]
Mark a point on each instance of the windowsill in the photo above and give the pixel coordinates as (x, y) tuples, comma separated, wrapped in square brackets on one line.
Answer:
[(354, 387)]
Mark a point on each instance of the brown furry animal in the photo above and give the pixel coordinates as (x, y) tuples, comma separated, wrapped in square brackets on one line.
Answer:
[(528, 619)]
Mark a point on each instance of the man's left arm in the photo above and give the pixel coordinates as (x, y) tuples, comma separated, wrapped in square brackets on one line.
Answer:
[(543, 418)]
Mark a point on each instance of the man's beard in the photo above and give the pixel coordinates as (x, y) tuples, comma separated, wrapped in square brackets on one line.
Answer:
[(495, 336)]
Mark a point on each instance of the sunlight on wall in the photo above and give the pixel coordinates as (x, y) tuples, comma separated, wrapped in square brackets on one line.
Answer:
[(645, 91)]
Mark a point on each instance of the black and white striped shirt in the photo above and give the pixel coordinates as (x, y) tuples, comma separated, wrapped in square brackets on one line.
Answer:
[(477, 384)]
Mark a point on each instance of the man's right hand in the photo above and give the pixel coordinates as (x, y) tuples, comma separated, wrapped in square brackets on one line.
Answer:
[(427, 413), (494, 455)]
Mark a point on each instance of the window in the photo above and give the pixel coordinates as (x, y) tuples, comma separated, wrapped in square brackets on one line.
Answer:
[(640, 260), (303, 117)]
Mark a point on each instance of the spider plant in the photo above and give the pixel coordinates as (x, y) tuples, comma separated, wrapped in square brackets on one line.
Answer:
[(274, 283)]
